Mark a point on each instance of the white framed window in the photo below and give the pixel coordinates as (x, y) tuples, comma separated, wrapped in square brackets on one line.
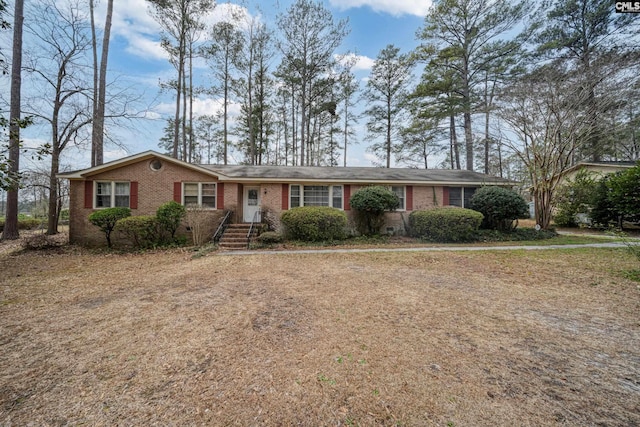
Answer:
[(110, 194), (199, 193), (461, 196), (401, 192), (316, 195)]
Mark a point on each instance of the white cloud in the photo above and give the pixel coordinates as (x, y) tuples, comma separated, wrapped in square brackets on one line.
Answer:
[(228, 12), (146, 48), (132, 20), (201, 107), (362, 63), (392, 7)]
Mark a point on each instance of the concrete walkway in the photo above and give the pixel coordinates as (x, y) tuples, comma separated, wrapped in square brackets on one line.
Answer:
[(423, 249)]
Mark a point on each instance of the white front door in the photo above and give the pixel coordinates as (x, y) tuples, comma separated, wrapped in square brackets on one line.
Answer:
[(251, 203)]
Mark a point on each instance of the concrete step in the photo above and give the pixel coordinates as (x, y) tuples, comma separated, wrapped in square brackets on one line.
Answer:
[(235, 237)]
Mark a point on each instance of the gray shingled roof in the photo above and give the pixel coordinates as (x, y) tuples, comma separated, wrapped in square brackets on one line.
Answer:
[(354, 174), (309, 174)]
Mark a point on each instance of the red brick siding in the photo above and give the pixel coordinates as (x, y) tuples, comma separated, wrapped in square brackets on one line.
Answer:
[(154, 189)]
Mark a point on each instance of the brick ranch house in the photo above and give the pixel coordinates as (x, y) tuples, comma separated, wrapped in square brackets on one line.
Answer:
[(146, 180)]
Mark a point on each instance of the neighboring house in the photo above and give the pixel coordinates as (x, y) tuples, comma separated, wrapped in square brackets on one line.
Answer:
[(144, 181), (597, 169)]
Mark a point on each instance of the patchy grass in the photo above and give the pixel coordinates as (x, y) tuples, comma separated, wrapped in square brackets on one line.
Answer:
[(528, 338)]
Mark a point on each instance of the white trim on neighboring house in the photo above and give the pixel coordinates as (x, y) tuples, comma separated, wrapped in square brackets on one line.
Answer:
[(613, 166)]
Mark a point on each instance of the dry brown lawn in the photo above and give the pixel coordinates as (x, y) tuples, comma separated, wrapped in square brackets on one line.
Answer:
[(535, 338)]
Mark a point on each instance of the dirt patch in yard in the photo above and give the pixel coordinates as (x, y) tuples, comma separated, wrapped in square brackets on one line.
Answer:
[(535, 338)]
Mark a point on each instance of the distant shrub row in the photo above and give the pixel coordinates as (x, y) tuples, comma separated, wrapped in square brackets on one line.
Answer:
[(24, 223)]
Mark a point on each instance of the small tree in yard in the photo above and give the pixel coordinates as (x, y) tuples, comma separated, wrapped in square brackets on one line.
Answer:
[(106, 219), (170, 216), (500, 207), (370, 204), (198, 219), (575, 197)]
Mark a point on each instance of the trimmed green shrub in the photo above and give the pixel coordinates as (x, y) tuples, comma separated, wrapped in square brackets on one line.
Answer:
[(106, 220), (315, 223), (169, 216), (370, 205), (270, 238), (142, 230), (500, 207), (445, 224)]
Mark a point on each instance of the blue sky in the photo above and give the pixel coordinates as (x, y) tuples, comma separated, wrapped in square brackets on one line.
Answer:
[(137, 58)]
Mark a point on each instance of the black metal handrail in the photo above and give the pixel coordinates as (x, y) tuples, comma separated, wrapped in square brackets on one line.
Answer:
[(222, 227), (253, 222)]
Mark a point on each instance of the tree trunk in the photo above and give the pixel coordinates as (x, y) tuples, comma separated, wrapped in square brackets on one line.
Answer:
[(98, 128), (455, 154), (468, 139), (10, 231), (388, 133), (252, 134), (346, 129), (303, 119), (176, 121), (191, 143), (184, 112), (94, 49), (52, 218), (225, 107)]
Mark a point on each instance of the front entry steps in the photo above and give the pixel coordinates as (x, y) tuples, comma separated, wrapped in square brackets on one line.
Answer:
[(235, 237)]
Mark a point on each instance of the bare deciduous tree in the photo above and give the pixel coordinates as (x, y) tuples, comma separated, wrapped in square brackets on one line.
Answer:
[(541, 110)]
